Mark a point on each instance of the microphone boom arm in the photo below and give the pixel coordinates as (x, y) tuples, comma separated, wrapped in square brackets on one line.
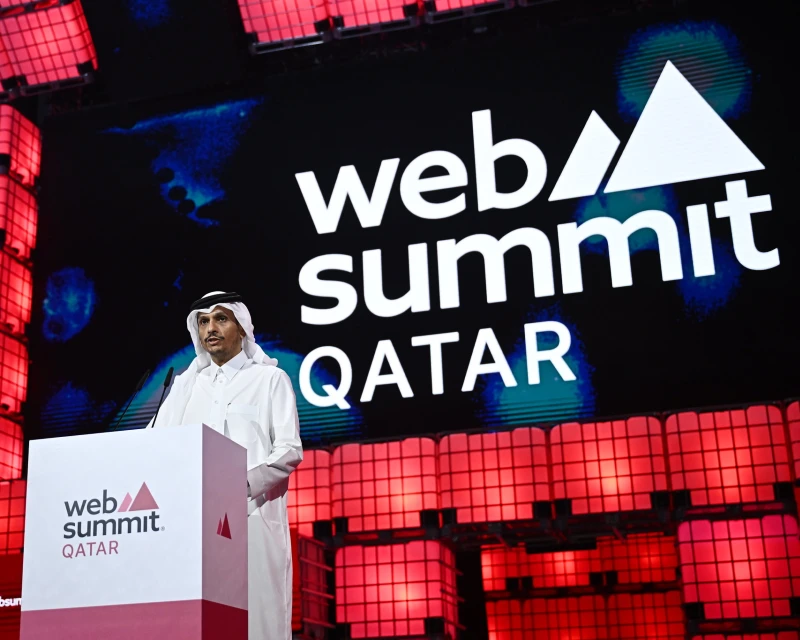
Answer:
[(167, 380)]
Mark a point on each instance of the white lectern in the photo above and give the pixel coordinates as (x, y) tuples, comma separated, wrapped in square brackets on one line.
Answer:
[(136, 534)]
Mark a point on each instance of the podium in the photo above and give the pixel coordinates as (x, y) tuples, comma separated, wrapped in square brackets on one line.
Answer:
[(136, 534)]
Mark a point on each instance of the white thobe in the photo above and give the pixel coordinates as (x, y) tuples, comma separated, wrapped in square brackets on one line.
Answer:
[(254, 405)]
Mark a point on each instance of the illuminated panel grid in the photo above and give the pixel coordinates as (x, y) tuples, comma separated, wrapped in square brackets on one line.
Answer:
[(16, 289), (18, 216), (6, 69), (13, 374), (608, 466), (727, 457), (493, 477), (384, 485), (552, 569), (651, 616), (741, 568), (10, 449), (793, 417), (640, 558), (276, 20), (359, 13), (21, 141), (47, 44), (12, 516), (310, 599), (309, 497), (582, 618), (783, 635), (389, 591)]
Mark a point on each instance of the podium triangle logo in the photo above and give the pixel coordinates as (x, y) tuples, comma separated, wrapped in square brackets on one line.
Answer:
[(143, 501), (679, 137), (126, 503), (224, 529)]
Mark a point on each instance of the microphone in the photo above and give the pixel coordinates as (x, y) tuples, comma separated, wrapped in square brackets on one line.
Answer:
[(138, 388), (167, 380)]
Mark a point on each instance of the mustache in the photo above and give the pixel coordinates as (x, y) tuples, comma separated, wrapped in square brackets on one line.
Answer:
[(213, 335)]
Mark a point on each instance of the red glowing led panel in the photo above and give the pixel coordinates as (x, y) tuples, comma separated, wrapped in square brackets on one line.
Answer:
[(582, 618), (12, 516), (310, 598), (552, 569), (21, 141), (608, 466), (18, 216), (493, 477), (793, 417), (16, 289), (782, 635), (13, 374), (276, 20), (309, 497), (727, 457), (389, 591), (384, 485), (741, 568), (357, 13), (49, 43), (6, 69), (646, 616), (640, 558), (10, 449)]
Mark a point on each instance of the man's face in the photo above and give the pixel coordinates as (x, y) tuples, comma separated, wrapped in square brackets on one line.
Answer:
[(220, 334)]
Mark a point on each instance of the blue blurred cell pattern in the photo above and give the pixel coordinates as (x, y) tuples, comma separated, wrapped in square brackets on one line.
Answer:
[(69, 302), (707, 53), (149, 14), (193, 149)]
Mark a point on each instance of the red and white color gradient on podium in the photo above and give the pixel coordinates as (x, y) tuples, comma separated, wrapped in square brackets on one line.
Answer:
[(123, 537)]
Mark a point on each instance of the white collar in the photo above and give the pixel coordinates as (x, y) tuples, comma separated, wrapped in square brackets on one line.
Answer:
[(230, 368)]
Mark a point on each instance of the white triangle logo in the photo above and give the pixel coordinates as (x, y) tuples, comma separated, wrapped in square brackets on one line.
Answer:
[(678, 138), (588, 162)]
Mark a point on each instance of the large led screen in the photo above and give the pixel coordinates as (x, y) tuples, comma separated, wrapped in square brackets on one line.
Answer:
[(587, 221)]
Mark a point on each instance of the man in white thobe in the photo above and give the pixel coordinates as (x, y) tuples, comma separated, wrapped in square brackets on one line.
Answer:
[(235, 388)]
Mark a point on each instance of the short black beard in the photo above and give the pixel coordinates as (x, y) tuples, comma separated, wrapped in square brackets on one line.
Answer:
[(220, 355)]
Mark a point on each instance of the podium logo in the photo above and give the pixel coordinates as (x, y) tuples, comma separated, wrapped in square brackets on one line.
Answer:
[(223, 528), (108, 505)]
